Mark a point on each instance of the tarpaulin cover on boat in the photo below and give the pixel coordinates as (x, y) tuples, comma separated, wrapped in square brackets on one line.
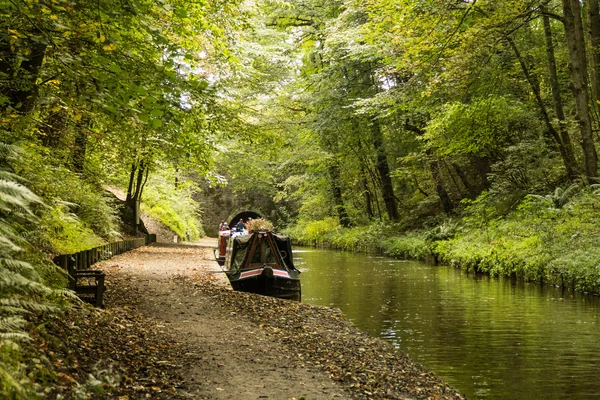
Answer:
[(284, 244), (242, 244), (239, 249)]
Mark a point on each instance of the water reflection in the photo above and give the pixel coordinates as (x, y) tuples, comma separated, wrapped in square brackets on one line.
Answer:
[(490, 338)]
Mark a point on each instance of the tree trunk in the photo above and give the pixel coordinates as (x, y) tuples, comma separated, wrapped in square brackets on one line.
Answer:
[(367, 196), (131, 180), (568, 159), (140, 181), (22, 90), (137, 180), (436, 174), (459, 188), (471, 191), (79, 150), (482, 166), (387, 188), (558, 104), (336, 191), (593, 25), (53, 129), (576, 46), (364, 176), (80, 144)]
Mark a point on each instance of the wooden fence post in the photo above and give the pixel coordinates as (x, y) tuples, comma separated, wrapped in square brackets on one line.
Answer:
[(71, 267)]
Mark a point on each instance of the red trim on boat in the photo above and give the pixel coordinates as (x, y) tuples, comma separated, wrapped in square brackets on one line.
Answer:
[(247, 274), (278, 272)]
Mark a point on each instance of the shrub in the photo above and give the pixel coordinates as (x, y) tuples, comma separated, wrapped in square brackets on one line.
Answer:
[(173, 205)]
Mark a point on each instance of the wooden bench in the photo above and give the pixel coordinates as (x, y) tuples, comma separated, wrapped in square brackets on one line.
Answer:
[(89, 286), (89, 283)]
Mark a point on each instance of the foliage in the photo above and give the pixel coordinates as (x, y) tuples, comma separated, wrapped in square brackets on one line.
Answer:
[(24, 288), (533, 242), (65, 233), (410, 246), (482, 127), (260, 224), (79, 214), (560, 197), (310, 232), (444, 231), (170, 201)]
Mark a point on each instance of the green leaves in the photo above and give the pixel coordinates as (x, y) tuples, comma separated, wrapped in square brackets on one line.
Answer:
[(181, 13), (480, 127), (114, 68)]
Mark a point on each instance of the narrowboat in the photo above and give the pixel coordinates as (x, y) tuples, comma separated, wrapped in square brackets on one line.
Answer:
[(261, 262), (221, 251), (225, 234)]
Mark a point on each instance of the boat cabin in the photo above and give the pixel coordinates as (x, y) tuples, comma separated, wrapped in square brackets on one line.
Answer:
[(258, 250)]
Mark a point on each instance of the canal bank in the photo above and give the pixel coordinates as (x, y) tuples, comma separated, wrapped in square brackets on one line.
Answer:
[(563, 254)]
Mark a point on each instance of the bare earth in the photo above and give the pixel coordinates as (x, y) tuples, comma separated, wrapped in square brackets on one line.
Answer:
[(174, 329)]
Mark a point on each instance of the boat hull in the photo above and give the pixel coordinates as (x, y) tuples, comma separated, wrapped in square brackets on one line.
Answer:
[(220, 259), (268, 284)]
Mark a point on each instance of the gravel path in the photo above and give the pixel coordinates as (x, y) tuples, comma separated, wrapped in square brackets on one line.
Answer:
[(174, 329)]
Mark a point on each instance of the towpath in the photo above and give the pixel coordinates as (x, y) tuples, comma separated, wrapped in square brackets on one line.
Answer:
[(174, 329), (217, 353)]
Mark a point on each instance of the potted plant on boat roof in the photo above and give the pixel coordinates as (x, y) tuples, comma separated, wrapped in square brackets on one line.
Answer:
[(260, 225)]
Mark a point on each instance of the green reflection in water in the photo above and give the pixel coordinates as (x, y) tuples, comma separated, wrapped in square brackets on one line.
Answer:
[(489, 338)]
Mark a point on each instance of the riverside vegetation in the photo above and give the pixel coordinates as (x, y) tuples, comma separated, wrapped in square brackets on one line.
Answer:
[(541, 241)]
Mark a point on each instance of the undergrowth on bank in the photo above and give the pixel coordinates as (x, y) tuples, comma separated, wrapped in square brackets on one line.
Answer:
[(550, 239), (29, 283), (77, 214), (170, 201)]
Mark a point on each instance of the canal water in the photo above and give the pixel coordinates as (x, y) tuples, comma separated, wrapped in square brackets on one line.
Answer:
[(489, 338)]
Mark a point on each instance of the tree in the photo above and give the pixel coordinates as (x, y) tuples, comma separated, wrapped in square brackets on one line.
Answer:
[(579, 79)]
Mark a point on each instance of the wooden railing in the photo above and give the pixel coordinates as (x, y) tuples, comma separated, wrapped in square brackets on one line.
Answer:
[(78, 265)]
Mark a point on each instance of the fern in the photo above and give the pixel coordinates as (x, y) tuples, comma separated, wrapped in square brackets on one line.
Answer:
[(559, 198), (14, 336), (22, 289), (11, 310), (14, 194), (12, 281), (7, 245), (28, 305), (20, 267), (10, 383), (12, 324), (66, 293)]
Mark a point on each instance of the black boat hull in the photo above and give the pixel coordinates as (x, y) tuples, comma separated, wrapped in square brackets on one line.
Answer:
[(261, 262), (283, 288)]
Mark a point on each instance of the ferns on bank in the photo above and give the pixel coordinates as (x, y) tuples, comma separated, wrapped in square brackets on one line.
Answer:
[(22, 290)]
